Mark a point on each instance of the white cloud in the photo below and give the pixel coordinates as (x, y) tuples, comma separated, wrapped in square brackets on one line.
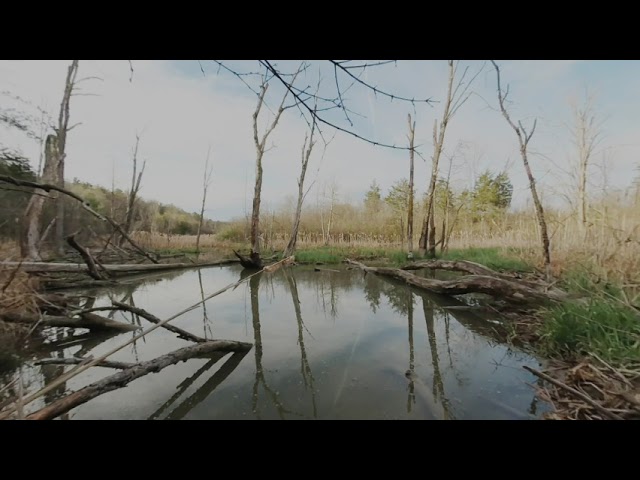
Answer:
[(180, 114)]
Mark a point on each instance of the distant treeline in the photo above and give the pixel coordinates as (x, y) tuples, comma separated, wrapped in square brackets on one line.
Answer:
[(149, 215)]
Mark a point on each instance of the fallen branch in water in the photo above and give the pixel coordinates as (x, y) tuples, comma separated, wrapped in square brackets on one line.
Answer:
[(153, 319), (125, 377), (78, 361), (510, 290), (574, 392), (65, 377), (86, 256), (87, 320)]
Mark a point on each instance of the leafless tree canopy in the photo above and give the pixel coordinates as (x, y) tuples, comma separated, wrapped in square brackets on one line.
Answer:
[(327, 108)]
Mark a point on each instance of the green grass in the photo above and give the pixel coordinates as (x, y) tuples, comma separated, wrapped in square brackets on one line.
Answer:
[(495, 258), (602, 326)]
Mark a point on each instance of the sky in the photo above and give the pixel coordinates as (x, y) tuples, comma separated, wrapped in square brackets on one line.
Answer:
[(180, 112)]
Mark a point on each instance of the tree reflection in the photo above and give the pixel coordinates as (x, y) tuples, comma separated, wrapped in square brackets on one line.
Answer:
[(254, 287), (411, 399), (438, 384), (305, 368), (205, 318)]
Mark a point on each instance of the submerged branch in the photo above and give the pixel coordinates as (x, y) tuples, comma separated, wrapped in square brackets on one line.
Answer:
[(125, 377)]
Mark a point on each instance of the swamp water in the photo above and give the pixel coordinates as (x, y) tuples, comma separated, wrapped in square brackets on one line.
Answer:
[(326, 345)]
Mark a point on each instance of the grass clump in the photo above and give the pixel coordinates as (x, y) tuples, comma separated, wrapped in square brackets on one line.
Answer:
[(602, 326)]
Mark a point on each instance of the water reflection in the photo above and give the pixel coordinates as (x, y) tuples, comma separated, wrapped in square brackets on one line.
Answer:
[(254, 285), (305, 368), (352, 346)]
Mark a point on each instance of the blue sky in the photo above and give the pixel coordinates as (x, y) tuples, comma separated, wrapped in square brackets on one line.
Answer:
[(180, 113)]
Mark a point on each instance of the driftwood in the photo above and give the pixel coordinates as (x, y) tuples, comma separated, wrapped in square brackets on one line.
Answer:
[(78, 361), (86, 256), (471, 268), (153, 319), (87, 320), (252, 262), (126, 269), (510, 290), (574, 392), (125, 377)]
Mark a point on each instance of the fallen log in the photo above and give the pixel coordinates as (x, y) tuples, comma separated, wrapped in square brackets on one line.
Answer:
[(153, 319), (509, 290), (86, 256), (78, 361), (471, 268), (125, 377), (124, 269), (87, 320)]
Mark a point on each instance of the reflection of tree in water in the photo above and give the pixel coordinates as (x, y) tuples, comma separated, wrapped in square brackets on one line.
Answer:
[(412, 396), (305, 368), (254, 286), (399, 297), (205, 390), (372, 291), (438, 384), (205, 318)]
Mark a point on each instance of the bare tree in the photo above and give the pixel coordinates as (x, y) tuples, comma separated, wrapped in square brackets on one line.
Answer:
[(133, 192), (333, 197), (412, 133), (318, 106), (306, 154), (586, 133), (61, 132), (523, 139), (206, 181), (30, 237), (457, 94), (260, 144)]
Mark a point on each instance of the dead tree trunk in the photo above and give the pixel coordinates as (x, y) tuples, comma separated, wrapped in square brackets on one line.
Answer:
[(412, 132), (523, 140), (306, 154), (260, 145), (456, 96), (586, 135), (133, 194), (61, 132), (30, 237), (206, 181)]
